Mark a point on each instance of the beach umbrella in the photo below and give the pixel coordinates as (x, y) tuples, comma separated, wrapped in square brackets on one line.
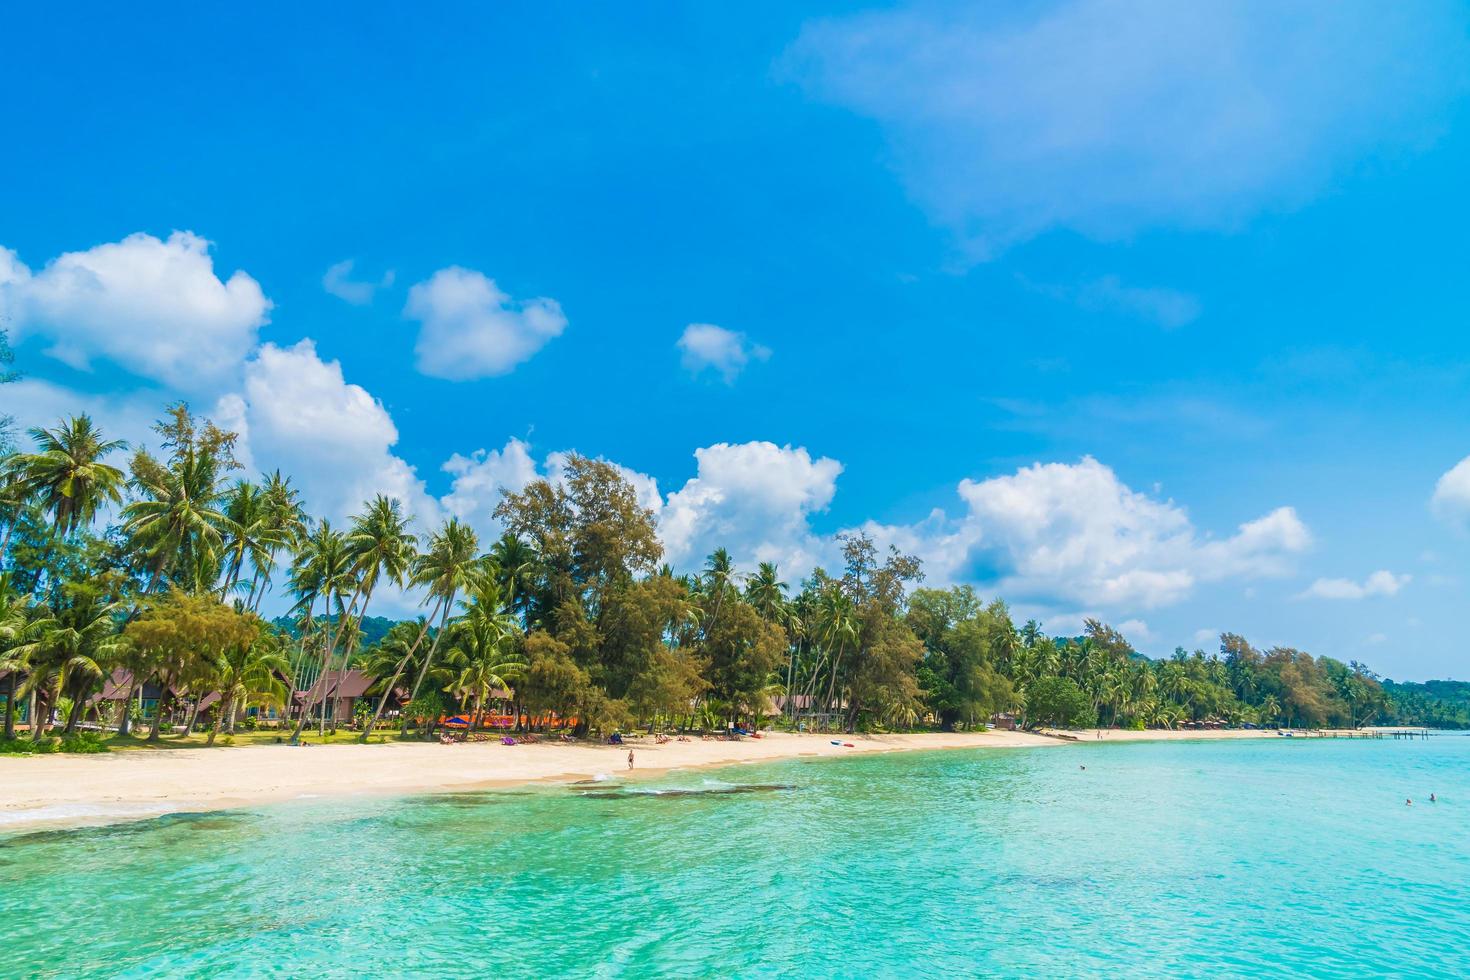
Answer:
[(458, 721)]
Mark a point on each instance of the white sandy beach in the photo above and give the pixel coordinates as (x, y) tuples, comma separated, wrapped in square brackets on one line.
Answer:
[(60, 790)]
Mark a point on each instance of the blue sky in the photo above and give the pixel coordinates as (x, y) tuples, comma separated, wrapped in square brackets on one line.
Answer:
[(1163, 307)]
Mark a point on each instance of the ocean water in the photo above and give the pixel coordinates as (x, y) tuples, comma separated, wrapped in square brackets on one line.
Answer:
[(1198, 859)]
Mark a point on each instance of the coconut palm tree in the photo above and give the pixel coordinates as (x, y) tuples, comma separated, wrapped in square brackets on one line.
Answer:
[(379, 546), (66, 473), (766, 593), (14, 499), (450, 564), (176, 523), (836, 627), (517, 562), (482, 648), (248, 536), (70, 651), (16, 632), (287, 524), (321, 570), (719, 575), (248, 672)]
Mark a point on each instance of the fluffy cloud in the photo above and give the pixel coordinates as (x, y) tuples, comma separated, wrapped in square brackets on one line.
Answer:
[(1380, 583), (1451, 500), (39, 403), (154, 307), (1111, 116), (1074, 534), (470, 329), (705, 345), (299, 413), (481, 477), (756, 499), (339, 282)]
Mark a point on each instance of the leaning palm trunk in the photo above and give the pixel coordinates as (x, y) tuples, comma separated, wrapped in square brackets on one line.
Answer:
[(78, 707), (157, 729), (225, 707), (37, 726), (10, 705), (309, 702), (347, 653), (125, 723), (393, 681), (193, 717), (429, 657)]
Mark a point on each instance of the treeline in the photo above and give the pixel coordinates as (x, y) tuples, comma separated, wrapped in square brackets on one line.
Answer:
[(570, 617), (1432, 704)]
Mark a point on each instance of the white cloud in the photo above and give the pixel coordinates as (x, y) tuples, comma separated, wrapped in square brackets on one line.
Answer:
[(127, 416), (1063, 534), (756, 499), (1135, 630), (470, 329), (1451, 500), (1108, 117), (1206, 635), (705, 345), (339, 282), (156, 308), (481, 477), (1380, 583), (299, 413)]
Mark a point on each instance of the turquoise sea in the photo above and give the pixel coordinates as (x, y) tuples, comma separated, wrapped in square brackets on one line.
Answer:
[(1190, 859)]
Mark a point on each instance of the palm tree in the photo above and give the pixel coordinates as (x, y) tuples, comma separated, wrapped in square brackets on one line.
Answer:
[(320, 570), (248, 535), (177, 524), (287, 523), (14, 498), (767, 593), (248, 673), (16, 631), (836, 626), (66, 473), (450, 565), (517, 562), (70, 650), (379, 545), (481, 649), (719, 574)]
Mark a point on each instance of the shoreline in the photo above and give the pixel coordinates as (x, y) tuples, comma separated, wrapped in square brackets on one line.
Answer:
[(60, 791)]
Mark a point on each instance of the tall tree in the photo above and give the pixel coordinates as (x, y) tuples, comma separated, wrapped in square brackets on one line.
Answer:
[(67, 475)]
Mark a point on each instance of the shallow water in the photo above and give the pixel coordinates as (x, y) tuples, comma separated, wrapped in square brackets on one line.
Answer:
[(1198, 859)]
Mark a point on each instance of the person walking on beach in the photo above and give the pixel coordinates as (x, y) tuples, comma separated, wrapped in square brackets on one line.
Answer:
[(630, 758)]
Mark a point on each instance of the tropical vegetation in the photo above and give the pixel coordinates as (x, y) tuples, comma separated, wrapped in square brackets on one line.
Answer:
[(123, 568)]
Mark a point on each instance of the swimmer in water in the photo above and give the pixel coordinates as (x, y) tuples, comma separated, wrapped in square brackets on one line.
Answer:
[(1408, 803), (1432, 799), (1081, 767)]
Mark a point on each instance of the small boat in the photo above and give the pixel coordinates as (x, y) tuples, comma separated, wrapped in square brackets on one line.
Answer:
[(835, 742), (848, 745), (1285, 734)]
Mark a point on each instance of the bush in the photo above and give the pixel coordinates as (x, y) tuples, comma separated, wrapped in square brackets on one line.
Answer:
[(84, 743), (48, 744), (1059, 701), (16, 746)]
